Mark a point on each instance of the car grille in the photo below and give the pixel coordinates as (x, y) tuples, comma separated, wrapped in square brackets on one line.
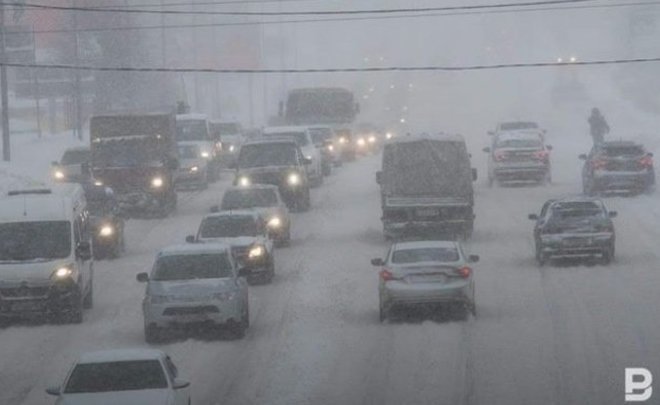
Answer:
[(199, 310), (24, 292), (266, 178)]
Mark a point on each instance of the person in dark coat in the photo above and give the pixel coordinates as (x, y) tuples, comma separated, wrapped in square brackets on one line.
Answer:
[(598, 126)]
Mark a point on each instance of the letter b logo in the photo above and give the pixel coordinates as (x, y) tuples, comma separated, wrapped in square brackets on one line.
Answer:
[(638, 384)]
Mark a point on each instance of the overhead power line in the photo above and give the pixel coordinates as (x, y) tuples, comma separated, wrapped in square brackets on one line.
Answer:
[(295, 13), (324, 20), (336, 70)]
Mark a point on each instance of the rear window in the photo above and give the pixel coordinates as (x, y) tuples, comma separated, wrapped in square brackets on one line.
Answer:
[(435, 254), (578, 209), (519, 141), (116, 376), (620, 151)]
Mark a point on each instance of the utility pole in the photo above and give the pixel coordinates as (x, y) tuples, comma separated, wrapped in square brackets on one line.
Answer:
[(6, 152), (195, 46), (77, 87)]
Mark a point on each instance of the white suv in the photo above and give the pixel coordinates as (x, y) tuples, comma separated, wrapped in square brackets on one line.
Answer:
[(303, 138)]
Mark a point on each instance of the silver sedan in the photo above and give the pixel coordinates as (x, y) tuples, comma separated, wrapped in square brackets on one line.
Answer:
[(426, 273)]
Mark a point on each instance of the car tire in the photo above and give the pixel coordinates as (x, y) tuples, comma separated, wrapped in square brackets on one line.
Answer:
[(88, 301), (608, 255), (541, 259), (383, 313), (152, 334), (75, 314)]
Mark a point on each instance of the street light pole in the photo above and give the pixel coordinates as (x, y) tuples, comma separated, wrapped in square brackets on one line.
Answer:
[(78, 91), (6, 152)]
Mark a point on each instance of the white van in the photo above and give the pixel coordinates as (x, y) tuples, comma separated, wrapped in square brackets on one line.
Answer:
[(193, 129), (46, 266)]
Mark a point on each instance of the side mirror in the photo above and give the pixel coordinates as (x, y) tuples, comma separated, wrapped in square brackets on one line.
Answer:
[(55, 390), (84, 251), (179, 384), (214, 209), (548, 147), (473, 258), (307, 161), (379, 177), (474, 174), (244, 272), (190, 239), (142, 277), (377, 262), (613, 214), (533, 217), (486, 149), (582, 157)]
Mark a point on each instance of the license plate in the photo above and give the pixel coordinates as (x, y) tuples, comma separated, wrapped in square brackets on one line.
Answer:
[(27, 306), (426, 212), (428, 278)]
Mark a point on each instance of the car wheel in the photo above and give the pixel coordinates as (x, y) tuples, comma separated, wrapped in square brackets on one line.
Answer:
[(75, 314), (383, 313), (152, 334), (540, 257), (88, 301), (607, 256)]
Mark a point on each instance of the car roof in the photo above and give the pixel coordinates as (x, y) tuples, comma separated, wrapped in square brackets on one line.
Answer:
[(59, 202), (193, 249), (234, 213), (105, 356), (424, 136), (252, 187), (267, 140), (577, 200), (191, 116), (620, 143), (422, 244), (277, 130)]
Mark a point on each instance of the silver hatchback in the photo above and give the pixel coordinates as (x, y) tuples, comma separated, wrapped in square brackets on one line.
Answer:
[(426, 273)]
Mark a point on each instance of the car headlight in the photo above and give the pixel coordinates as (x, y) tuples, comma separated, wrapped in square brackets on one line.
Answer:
[(58, 174), (293, 179), (244, 181), (225, 296), (205, 154), (388, 135), (62, 273), (218, 145), (194, 169), (157, 182), (256, 252), (98, 183), (231, 148), (372, 139), (342, 140), (275, 222), (309, 157), (331, 148), (360, 142), (106, 230)]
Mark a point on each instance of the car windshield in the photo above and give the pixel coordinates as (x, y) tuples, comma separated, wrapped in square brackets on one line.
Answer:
[(566, 211), (513, 126), (623, 151), (27, 241), (116, 376), (188, 151), (74, 157), (239, 199), (192, 266), (428, 254), (226, 226), (299, 137), (267, 154), (519, 141), (191, 130)]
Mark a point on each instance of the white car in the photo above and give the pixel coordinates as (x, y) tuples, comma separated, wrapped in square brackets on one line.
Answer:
[(304, 140), (194, 285), (194, 129), (123, 376), (426, 273)]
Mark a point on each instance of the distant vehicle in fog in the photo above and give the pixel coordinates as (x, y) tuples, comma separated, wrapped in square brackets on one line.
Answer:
[(73, 166), (320, 105), (515, 126), (123, 376), (426, 273), (46, 265), (426, 187), (193, 171), (323, 139), (574, 228), (265, 199), (194, 285), (193, 129), (279, 162), (346, 144), (228, 136), (106, 221), (303, 138), (136, 156), (617, 166), (519, 156)]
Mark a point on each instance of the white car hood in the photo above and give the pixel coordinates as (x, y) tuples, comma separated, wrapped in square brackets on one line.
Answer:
[(143, 397), (36, 271)]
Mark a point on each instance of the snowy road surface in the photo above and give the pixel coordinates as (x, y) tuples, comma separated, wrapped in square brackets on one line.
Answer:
[(556, 335)]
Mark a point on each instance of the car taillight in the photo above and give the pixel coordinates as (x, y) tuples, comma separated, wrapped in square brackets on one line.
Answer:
[(646, 161), (386, 275), (598, 164), (541, 155), (464, 272), (499, 155)]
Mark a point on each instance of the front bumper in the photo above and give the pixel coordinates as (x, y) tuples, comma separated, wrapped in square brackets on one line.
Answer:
[(25, 301), (185, 314), (573, 246)]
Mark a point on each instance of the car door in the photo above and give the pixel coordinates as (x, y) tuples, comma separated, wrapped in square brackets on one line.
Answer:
[(538, 226)]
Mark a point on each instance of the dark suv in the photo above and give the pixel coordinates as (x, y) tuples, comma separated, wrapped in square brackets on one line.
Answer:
[(619, 166), (278, 162), (574, 228)]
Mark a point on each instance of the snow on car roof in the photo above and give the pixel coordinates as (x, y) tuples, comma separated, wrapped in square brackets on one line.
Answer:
[(425, 244), (59, 204), (432, 137), (233, 213), (252, 187), (193, 249), (192, 116), (522, 134), (105, 356), (277, 130)]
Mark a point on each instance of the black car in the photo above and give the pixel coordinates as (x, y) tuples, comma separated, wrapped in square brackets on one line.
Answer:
[(276, 161), (620, 166), (574, 228), (107, 225)]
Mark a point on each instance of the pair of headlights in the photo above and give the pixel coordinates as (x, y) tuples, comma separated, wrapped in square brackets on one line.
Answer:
[(293, 179)]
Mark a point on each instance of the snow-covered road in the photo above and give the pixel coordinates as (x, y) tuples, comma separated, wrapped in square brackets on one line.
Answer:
[(556, 335)]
